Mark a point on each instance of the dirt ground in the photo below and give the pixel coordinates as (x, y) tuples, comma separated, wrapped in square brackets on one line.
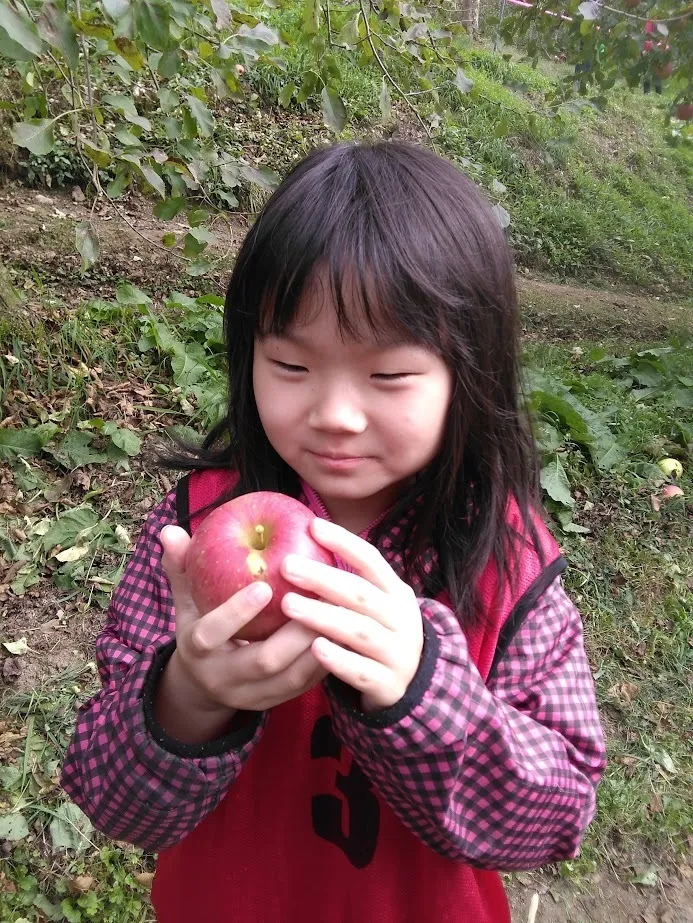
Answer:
[(37, 244)]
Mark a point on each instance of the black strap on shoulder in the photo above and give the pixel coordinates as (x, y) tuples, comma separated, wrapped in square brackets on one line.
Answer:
[(183, 503), (524, 606)]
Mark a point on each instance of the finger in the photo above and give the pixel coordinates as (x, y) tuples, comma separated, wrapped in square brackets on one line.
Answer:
[(357, 552), (268, 658), (360, 633), (340, 588), (175, 542), (360, 672), (221, 624), (300, 675)]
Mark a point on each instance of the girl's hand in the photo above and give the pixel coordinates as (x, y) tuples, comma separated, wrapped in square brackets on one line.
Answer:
[(369, 624), (222, 674)]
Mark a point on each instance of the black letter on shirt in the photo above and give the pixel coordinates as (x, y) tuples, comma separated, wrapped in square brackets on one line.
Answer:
[(363, 818)]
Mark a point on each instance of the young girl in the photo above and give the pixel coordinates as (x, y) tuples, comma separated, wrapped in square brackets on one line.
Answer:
[(430, 717)]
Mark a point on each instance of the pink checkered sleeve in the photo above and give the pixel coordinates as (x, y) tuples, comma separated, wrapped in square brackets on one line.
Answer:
[(502, 775), (121, 769)]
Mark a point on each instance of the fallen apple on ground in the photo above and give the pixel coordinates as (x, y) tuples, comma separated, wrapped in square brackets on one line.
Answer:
[(245, 540), (672, 467)]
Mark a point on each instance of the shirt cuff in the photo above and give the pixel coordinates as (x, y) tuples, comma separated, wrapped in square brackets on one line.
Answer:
[(242, 727), (348, 699)]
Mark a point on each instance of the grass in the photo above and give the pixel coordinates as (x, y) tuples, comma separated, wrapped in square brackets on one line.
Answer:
[(591, 195), (631, 577)]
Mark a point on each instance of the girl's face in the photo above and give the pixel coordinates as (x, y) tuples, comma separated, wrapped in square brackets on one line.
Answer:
[(355, 420)]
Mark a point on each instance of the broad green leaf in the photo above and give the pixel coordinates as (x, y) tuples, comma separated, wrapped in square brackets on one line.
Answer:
[(309, 85), (116, 8), (228, 197), (349, 33), (36, 135), (222, 12), (202, 116), (198, 216), (385, 102), (585, 426), (127, 293), (70, 828), (548, 437), (311, 16), (20, 29), (333, 111), (87, 243), (13, 827), (682, 397), (19, 442), (152, 20), (117, 186), (462, 82), (192, 246), (128, 51), (264, 177), (101, 158), (565, 517), (168, 99), (170, 63), (169, 208), (286, 94), (153, 178), (75, 451), (125, 104), (55, 28), (10, 775), (126, 137), (555, 482), (172, 127), (65, 530), (126, 440), (13, 51)]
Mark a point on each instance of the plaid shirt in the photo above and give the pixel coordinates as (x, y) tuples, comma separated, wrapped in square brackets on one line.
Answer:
[(500, 774)]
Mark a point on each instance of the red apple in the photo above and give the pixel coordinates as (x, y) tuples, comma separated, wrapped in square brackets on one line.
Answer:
[(685, 112), (650, 27), (631, 4), (648, 45), (665, 70), (244, 540)]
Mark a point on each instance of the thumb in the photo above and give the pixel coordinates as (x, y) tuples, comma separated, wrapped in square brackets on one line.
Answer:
[(175, 542)]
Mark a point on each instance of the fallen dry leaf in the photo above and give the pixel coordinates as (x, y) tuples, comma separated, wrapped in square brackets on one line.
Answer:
[(656, 804), (82, 883), (625, 692), (144, 878)]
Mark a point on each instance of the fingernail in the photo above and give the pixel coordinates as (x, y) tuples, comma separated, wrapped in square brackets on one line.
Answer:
[(259, 593), (292, 566), (321, 526), (293, 603)]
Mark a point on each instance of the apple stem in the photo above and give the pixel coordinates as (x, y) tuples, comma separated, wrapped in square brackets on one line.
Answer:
[(260, 532)]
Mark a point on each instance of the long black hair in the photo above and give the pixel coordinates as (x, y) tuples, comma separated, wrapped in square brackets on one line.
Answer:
[(432, 262)]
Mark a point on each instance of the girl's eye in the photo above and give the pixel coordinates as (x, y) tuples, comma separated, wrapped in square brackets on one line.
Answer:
[(392, 376), (287, 367)]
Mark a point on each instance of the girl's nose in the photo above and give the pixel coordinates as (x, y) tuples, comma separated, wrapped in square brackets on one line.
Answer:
[(335, 410)]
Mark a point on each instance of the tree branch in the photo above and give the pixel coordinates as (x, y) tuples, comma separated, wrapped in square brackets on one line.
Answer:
[(387, 73)]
